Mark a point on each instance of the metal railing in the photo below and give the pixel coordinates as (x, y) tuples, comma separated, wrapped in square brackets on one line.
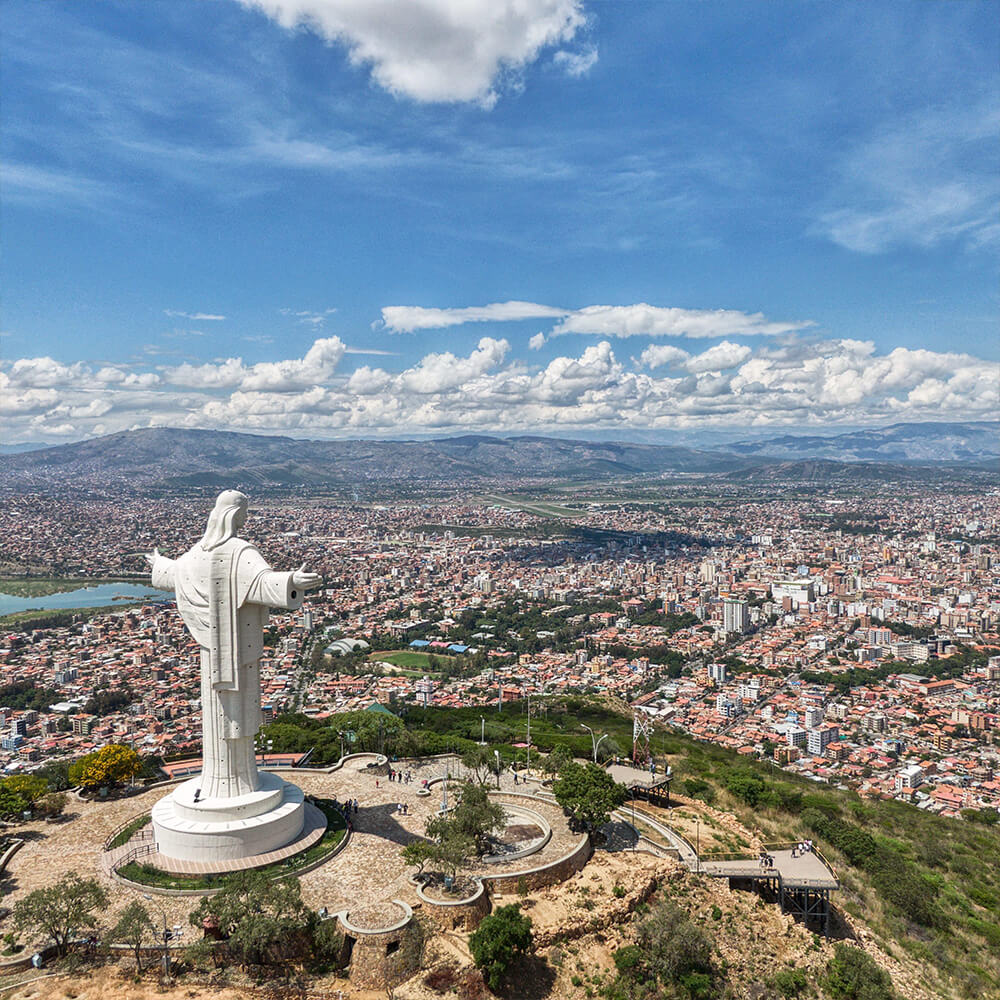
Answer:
[(109, 839), (140, 851), (747, 855)]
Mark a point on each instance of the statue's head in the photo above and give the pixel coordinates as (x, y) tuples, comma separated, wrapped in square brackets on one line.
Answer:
[(228, 515)]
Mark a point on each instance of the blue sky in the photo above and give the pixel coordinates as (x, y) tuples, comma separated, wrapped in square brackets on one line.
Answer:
[(335, 218)]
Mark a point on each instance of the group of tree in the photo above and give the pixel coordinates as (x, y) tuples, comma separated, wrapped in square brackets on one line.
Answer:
[(454, 838), (22, 793), (263, 922), (266, 922)]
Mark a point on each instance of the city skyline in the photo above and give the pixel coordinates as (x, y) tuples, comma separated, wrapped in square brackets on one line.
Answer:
[(300, 217)]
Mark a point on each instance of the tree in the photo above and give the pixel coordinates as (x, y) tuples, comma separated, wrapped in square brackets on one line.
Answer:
[(11, 804), (671, 951), (58, 909), (587, 793), (481, 762), (554, 762), (134, 928), (29, 787), (418, 852), (111, 765), (264, 921), (451, 847), (502, 937), (477, 817)]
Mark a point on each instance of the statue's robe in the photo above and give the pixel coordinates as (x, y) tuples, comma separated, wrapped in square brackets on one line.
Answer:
[(223, 595)]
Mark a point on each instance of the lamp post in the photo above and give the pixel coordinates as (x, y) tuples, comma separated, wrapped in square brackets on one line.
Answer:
[(482, 731), (444, 789), (697, 850), (527, 760), (595, 742), (496, 753)]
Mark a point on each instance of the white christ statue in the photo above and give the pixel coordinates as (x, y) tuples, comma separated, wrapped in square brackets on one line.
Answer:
[(224, 589)]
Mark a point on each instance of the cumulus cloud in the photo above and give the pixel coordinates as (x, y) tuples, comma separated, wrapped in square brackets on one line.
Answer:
[(718, 358), (799, 383), (436, 50), (537, 342), (439, 372), (408, 319), (319, 363), (657, 355)]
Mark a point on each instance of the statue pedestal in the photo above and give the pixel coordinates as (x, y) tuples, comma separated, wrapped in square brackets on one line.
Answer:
[(226, 829)]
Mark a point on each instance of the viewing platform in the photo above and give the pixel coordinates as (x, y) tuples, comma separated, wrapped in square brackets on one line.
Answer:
[(801, 884), (641, 783)]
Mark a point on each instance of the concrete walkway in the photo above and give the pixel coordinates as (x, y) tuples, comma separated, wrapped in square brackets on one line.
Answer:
[(804, 870)]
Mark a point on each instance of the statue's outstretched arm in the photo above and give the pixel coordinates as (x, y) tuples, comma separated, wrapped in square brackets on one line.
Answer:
[(273, 589), (162, 570)]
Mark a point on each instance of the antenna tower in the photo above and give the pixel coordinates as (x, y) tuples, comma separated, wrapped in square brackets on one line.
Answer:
[(642, 724)]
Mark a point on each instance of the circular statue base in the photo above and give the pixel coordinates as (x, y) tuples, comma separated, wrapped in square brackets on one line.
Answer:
[(191, 828)]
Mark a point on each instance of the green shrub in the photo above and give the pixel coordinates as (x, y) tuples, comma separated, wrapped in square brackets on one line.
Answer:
[(790, 982), (853, 975), (499, 939)]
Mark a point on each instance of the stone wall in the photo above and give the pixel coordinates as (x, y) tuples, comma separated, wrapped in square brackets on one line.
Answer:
[(379, 959), (461, 915), (545, 875)]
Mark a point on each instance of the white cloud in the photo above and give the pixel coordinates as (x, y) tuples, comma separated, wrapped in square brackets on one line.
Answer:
[(639, 320), (718, 358), (198, 316), (440, 372), (657, 355), (800, 384), (319, 363), (576, 64), (923, 181), (307, 316), (407, 319), (644, 320), (435, 50), (537, 342)]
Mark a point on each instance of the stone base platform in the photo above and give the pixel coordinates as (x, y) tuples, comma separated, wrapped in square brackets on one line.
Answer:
[(313, 829), (191, 829)]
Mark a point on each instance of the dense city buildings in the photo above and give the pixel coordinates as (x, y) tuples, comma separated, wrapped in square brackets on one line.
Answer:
[(853, 638)]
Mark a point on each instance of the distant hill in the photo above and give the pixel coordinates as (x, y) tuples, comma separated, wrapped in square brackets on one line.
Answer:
[(172, 458), (974, 442)]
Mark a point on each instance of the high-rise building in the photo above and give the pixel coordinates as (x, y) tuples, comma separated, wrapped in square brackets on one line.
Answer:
[(717, 672), (735, 615)]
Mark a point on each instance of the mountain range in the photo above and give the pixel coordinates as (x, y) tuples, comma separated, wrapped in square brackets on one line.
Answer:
[(970, 442), (173, 458)]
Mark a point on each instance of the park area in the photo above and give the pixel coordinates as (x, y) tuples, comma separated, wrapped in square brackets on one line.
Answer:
[(368, 870)]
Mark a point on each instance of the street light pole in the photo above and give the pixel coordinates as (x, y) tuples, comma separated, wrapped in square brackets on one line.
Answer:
[(482, 731), (697, 850)]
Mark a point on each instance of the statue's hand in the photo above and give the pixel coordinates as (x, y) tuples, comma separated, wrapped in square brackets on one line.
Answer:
[(151, 557), (305, 580)]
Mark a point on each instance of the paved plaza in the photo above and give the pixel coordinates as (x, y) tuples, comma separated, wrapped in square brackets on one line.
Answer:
[(367, 872)]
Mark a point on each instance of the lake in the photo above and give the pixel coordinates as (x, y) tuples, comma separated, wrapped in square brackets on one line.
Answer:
[(95, 596)]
